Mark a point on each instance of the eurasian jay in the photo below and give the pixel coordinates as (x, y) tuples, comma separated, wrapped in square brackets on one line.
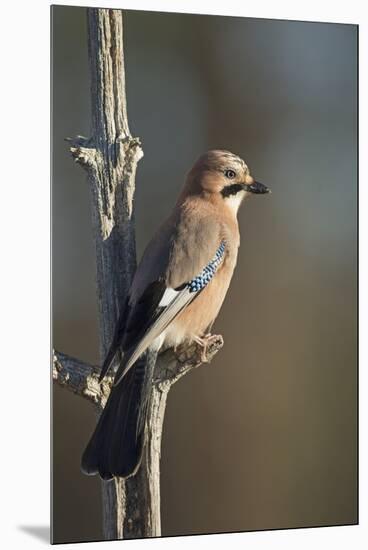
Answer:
[(176, 294)]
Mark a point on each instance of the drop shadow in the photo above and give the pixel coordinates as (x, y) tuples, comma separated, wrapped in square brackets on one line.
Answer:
[(40, 532)]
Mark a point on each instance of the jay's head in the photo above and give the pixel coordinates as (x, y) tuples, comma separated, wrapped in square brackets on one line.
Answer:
[(223, 175)]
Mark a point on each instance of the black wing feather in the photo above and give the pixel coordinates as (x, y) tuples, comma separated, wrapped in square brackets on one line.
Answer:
[(145, 310)]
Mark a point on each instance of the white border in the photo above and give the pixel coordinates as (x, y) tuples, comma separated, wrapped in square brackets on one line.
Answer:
[(25, 281)]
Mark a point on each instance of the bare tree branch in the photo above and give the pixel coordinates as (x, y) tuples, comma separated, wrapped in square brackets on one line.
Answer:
[(172, 365), (80, 378)]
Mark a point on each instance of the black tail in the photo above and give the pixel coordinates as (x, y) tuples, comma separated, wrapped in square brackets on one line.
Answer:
[(116, 446)]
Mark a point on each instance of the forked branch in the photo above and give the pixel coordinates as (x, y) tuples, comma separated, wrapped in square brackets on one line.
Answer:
[(82, 379)]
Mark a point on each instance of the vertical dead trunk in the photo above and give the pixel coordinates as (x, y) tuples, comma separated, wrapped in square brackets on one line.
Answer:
[(110, 157)]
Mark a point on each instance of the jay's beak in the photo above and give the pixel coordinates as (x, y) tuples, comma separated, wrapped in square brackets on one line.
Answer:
[(257, 188)]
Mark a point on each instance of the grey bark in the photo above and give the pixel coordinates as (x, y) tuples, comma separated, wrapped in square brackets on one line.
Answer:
[(131, 508)]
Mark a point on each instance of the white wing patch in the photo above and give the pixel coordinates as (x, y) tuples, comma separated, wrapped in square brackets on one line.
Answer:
[(168, 296), (180, 301)]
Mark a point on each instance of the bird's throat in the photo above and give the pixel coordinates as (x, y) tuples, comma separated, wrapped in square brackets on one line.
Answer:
[(234, 201)]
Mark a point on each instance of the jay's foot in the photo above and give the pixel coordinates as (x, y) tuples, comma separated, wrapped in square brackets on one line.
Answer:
[(205, 342)]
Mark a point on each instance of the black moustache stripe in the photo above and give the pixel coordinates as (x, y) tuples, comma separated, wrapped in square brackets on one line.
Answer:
[(232, 189)]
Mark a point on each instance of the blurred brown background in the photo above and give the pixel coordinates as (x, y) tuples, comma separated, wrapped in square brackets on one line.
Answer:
[(266, 436)]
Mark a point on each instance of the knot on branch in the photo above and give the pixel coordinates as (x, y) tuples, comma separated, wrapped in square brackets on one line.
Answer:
[(80, 378), (133, 152), (83, 151)]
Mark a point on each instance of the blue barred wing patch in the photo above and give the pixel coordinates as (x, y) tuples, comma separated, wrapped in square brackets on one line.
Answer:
[(202, 280), (171, 304)]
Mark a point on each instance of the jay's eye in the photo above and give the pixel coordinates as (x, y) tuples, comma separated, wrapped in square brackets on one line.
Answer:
[(230, 174)]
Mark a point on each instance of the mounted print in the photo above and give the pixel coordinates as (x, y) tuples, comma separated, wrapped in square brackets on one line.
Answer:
[(204, 211)]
